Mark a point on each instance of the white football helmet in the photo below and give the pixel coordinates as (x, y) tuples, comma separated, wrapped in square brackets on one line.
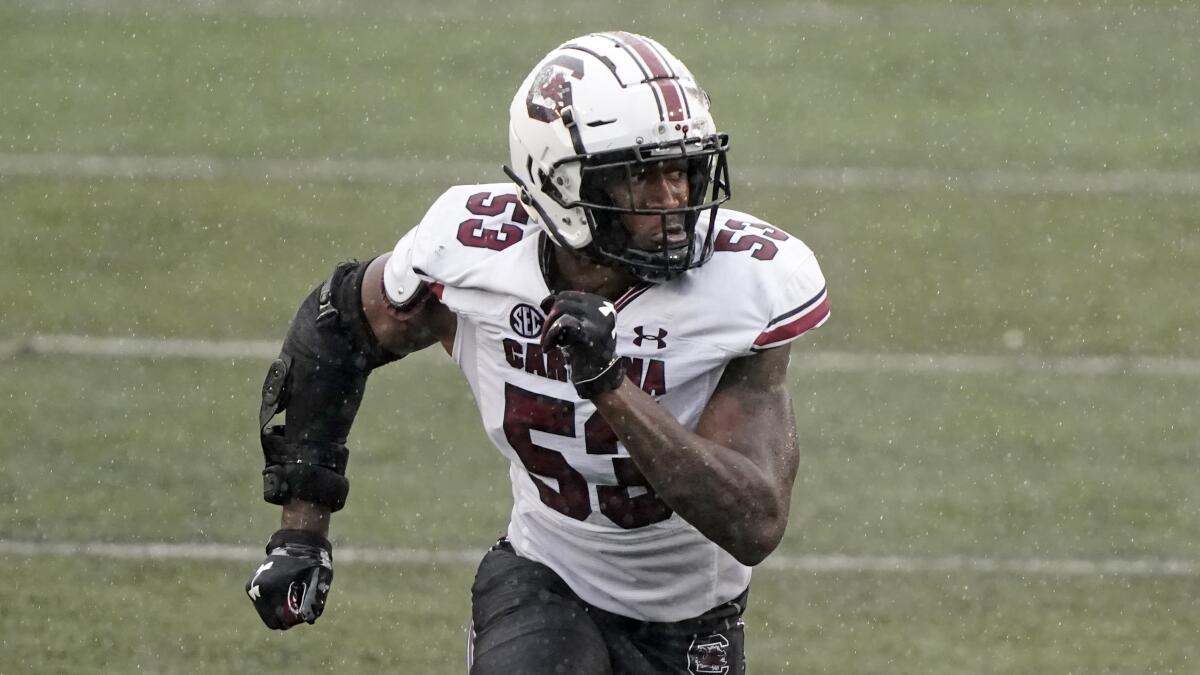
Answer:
[(596, 108)]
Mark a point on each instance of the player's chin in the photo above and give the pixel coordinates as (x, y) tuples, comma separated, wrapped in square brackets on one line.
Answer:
[(674, 238), (672, 244)]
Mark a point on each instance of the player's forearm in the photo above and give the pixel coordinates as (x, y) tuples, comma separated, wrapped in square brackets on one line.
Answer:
[(721, 492), (301, 515)]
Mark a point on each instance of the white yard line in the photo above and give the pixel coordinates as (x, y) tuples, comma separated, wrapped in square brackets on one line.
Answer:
[(982, 364), (398, 171), (813, 563), (82, 345), (171, 167), (796, 13), (824, 361)]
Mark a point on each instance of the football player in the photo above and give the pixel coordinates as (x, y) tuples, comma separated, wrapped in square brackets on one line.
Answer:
[(626, 339)]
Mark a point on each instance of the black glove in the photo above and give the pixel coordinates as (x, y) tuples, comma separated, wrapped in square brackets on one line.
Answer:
[(584, 326), (291, 584)]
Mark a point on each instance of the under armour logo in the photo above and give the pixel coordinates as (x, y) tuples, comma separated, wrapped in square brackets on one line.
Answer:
[(659, 337), (609, 309), (262, 568), (255, 592)]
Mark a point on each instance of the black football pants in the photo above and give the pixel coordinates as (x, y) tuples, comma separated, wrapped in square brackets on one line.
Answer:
[(526, 621)]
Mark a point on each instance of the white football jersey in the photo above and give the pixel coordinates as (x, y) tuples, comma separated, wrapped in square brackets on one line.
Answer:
[(580, 505)]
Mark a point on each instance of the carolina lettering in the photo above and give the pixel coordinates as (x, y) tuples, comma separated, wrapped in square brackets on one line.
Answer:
[(649, 374), (531, 358)]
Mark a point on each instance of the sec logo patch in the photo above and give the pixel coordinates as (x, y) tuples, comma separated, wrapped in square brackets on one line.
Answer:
[(526, 320)]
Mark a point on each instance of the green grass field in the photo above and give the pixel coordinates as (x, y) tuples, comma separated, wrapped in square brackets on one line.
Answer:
[(921, 466)]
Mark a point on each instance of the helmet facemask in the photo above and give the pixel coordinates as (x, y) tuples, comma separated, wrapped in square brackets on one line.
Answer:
[(611, 243)]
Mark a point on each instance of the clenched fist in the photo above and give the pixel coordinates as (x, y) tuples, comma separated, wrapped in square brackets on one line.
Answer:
[(291, 584), (584, 326)]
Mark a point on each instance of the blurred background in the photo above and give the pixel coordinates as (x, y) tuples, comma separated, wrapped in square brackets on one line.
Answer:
[(998, 422)]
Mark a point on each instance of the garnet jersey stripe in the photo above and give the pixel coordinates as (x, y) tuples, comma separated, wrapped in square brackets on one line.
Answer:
[(798, 323), (799, 310), (631, 295)]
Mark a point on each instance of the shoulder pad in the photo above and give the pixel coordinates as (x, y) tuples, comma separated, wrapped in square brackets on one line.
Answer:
[(465, 226), (766, 277), (401, 285)]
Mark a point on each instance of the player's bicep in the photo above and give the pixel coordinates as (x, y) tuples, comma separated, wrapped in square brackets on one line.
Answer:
[(413, 327), (751, 412)]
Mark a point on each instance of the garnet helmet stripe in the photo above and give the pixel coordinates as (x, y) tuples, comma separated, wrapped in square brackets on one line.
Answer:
[(662, 76), (655, 64), (659, 74), (656, 92), (674, 97)]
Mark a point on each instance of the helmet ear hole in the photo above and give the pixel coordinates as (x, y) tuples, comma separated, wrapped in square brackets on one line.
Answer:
[(549, 187)]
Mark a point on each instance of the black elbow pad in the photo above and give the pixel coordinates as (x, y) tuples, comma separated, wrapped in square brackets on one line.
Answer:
[(319, 379), (314, 472)]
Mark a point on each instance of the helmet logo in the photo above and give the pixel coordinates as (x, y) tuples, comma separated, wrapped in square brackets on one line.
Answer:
[(551, 90)]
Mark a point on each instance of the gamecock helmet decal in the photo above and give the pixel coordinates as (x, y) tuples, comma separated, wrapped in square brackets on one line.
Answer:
[(551, 90)]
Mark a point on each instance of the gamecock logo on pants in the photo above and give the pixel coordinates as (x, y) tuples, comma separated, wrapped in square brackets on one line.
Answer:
[(709, 655)]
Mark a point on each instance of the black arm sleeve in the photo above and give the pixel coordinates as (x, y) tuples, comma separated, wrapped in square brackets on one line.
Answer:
[(319, 379)]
